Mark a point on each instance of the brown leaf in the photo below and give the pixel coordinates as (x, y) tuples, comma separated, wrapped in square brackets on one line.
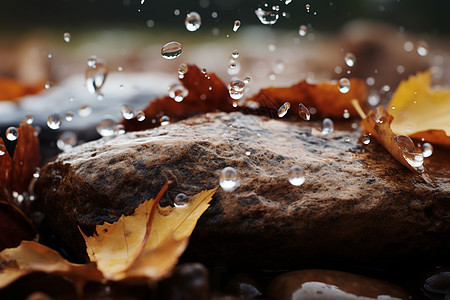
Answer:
[(199, 100), (325, 97), (5, 173), (26, 158), (14, 226), (11, 89), (378, 124)]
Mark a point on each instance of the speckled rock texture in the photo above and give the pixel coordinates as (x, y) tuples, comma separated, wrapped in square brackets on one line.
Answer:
[(357, 204)]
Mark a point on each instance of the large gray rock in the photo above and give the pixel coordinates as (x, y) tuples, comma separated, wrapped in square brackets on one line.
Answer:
[(357, 203)]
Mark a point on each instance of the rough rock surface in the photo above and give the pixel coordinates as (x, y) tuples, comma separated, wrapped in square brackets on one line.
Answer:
[(357, 204)]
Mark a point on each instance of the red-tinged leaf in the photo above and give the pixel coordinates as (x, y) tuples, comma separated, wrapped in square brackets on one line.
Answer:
[(14, 226), (207, 93), (26, 158), (5, 172)]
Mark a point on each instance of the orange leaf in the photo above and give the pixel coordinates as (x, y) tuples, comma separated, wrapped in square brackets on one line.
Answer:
[(325, 97), (5, 173), (11, 89)]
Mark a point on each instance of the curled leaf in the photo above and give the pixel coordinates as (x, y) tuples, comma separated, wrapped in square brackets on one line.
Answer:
[(421, 111)]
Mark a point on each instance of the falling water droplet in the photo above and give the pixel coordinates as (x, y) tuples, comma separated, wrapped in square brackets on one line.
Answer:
[(303, 30), (422, 48), (409, 152), (248, 152), (296, 175), (278, 68), (67, 140), (287, 2), (92, 60), (236, 25), (67, 36), (427, 150), (54, 121), (119, 129), (228, 179), (84, 110), (106, 127), (95, 75), (29, 119), (344, 85), (373, 99), (127, 112), (327, 126), (180, 200), (182, 69), (165, 120), (171, 50), (48, 85), (307, 6), (346, 114), (140, 116), (283, 110), (11, 133), (267, 17), (247, 80), (236, 89), (235, 54), (303, 112), (69, 116), (178, 92), (2, 149), (365, 139), (193, 21), (350, 59)]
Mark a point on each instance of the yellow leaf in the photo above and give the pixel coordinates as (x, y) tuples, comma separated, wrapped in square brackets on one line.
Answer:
[(31, 257), (421, 111), (117, 247)]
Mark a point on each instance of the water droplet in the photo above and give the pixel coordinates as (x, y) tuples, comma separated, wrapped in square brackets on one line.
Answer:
[(365, 139), (95, 75), (235, 54), (346, 114), (303, 112), (127, 112), (236, 89), (427, 150), (347, 139), (373, 99), (422, 48), (234, 69), (267, 17), (176, 12), (182, 69), (400, 69), (49, 56), (140, 116), (248, 152), (370, 81), (278, 67), (303, 30), (92, 60), (344, 85), (67, 36), (171, 50), (287, 2), (214, 14), (54, 121), (69, 116), (307, 6), (84, 110), (409, 152), (119, 129), (180, 200), (178, 92), (120, 68), (193, 21), (272, 47), (228, 179), (2, 149), (11, 133), (350, 59), (327, 126), (236, 25), (48, 85), (106, 127), (408, 46), (165, 120), (247, 80), (283, 110), (29, 119), (276, 7), (272, 76), (67, 140), (296, 175)]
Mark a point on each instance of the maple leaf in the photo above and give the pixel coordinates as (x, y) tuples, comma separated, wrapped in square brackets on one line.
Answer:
[(143, 246), (421, 111)]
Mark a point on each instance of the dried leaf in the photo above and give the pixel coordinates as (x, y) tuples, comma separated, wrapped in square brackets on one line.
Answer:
[(32, 257), (5, 173), (117, 247), (378, 124), (207, 93), (14, 226), (145, 245), (325, 97), (11, 89), (420, 110)]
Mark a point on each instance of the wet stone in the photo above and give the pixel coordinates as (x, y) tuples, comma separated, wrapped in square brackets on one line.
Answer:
[(330, 284), (334, 216)]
